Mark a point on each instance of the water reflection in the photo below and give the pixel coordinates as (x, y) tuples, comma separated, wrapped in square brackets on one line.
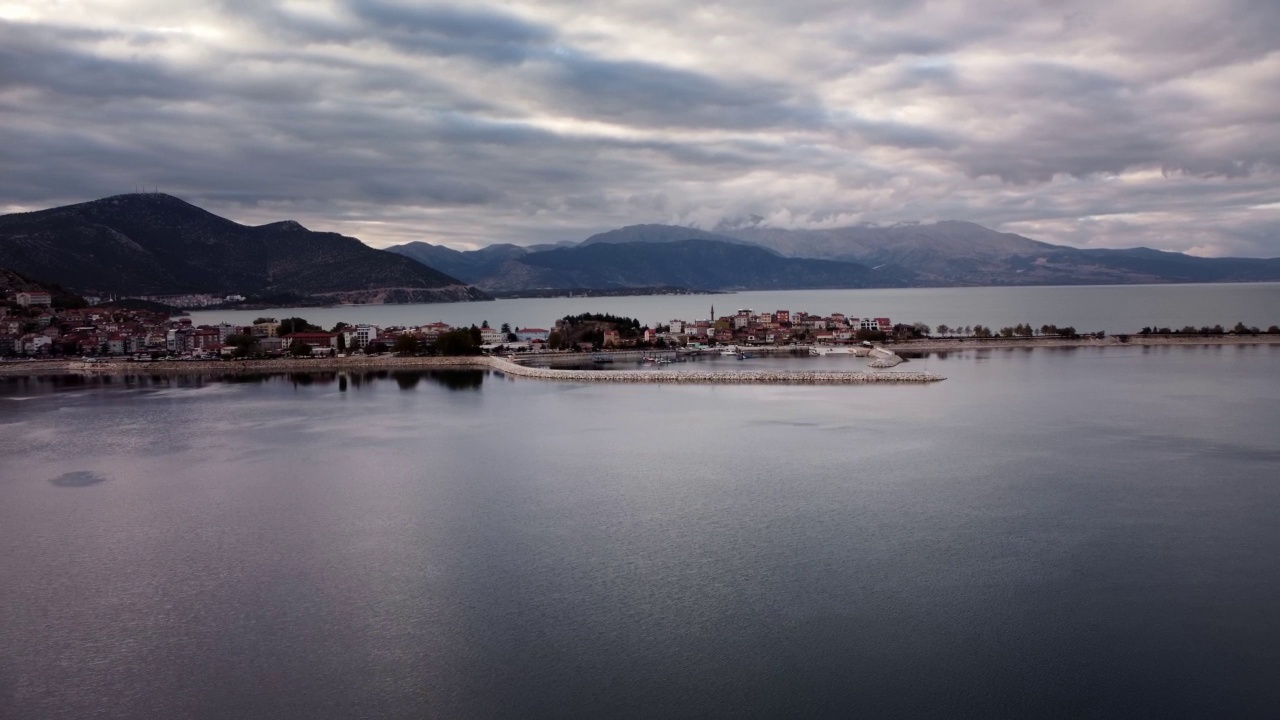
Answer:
[(79, 478), (406, 380)]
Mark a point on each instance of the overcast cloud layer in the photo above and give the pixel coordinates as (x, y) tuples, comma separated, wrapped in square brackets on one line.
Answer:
[(1103, 124)]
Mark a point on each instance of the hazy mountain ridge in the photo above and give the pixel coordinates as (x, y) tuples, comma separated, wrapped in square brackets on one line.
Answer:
[(697, 264), (469, 266), (654, 233), (947, 253), (156, 244), (963, 253), (691, 263)]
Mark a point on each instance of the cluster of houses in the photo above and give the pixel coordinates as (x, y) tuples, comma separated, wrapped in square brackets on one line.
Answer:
[(37, 329), (747, 327), (30, 326)]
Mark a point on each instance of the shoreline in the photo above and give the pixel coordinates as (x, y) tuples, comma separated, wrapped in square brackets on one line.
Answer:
[(356, 364), (500, 365)]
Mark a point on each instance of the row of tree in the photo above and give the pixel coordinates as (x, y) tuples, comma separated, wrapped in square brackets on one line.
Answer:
[(1239, 329), (1019, 330)]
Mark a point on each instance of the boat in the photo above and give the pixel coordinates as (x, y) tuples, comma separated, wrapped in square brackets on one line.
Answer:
[(731, 350)]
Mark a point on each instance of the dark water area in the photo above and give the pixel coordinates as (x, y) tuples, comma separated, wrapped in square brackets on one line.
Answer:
[(1075, 532)]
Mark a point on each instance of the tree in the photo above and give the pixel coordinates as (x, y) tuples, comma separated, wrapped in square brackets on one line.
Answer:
[(1273, 330), (339, 327), (244, 344), (506, 328), (484, 324), (406, 344), (1240, 329), (944, 329), (289, 326), (456, 342), (299, 349), (342, 341), (262, 320), (375, 347)]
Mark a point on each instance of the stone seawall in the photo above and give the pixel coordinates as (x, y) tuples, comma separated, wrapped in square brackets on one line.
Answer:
[(713, 377), (362, 364)]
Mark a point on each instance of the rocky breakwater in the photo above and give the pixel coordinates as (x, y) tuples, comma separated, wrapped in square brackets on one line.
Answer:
[(712, 377), (884, 358)]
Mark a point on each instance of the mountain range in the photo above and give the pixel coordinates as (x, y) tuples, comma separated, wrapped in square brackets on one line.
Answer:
[(949, 253), (156, 244)]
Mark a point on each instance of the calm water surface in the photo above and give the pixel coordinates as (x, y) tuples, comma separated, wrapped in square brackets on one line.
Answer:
[(1111, 308), (1073, 533)]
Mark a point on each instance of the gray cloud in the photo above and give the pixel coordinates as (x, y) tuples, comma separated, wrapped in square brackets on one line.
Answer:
[(1090, 123)]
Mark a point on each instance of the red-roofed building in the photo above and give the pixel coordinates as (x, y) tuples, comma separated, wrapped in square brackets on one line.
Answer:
[(531, 334)]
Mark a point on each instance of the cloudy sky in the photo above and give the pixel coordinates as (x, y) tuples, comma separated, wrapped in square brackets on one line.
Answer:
[(1104, 124)]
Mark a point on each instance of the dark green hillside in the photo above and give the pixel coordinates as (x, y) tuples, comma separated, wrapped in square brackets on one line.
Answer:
[(154, 244), (470, 266)]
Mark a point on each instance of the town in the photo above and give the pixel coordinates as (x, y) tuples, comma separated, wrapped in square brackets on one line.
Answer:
[(31, 327)]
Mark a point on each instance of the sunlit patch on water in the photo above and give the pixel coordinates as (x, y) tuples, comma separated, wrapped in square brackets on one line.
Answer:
[(79, 478)]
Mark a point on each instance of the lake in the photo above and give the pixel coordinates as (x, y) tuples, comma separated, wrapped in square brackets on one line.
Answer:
[(1110, 308), (1079, 532)]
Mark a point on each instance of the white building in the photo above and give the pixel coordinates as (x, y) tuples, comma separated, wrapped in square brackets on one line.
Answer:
[(33, 299), (366, 333)]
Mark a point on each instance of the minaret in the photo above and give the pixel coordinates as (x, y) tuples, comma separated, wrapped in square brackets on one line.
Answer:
[(713, 314)]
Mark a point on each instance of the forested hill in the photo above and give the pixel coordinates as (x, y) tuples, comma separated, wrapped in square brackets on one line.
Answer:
[(155, 244)]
